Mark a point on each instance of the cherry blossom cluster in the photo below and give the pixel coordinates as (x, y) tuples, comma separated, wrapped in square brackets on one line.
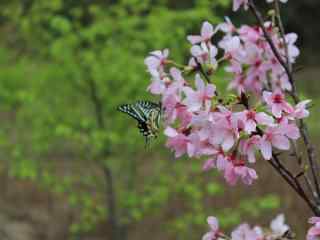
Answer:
[(251, 60), (277, 230), (228, 131)]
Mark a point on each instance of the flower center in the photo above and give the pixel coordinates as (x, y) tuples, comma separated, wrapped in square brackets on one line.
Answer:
[(251, 115), (277, 98)]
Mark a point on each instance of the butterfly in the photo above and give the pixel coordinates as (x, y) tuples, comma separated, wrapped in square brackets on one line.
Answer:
[(148, 115)]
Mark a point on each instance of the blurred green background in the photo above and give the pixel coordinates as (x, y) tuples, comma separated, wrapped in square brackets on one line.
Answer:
[(72, 167)]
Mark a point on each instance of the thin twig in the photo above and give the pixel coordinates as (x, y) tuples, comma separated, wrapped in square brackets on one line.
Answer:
[(292, 181), (199, 66), (303, 128), (260, 20), (282, 32)]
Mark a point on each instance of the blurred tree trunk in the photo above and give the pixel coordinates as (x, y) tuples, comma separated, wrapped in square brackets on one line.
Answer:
[(118, 232)]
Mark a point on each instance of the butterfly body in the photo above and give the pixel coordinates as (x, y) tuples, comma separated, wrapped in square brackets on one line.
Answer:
[(148, 116)]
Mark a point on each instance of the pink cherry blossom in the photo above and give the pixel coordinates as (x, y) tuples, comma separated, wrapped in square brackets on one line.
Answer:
[(205, 54), (277, 103), (213, 234), (207, 31), (227, 26), (250, 34), (248, 147), (238, 3), (251, 118), (177, 141), (239, 84), (219, 160), (244, 232), (273, 136), (205, 125), (201, 97), (300, 110), (233, 173), (158, 84), (293, 51), (156, 61), (232, 46), (226, 129), (290, 130)]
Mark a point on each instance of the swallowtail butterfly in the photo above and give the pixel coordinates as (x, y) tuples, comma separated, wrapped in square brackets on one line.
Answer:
[(148, 115)]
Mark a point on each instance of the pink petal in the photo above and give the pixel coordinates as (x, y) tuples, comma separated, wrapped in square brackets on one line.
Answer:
[(170, 132), (194, 39), (266, 149), (281, 142), (250, 126), (314, 220), (199, 83), (264, 119), (213, 222), (228, 143), (206, 30), (208, 165), (196, 50)]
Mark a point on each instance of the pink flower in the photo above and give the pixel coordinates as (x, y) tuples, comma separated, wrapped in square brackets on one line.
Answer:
[(176, 141), (276, 101), (244, 232), (156, 61), (227, 26), (218, 160), (249, 146), (202, 96), (233, 172), (176, 86), (214, 229), (273, 136), (196, 147), (279, 82), (250, 34), (205, 54), (207, 31), (251, 118), (293, 51), (231, 45), (170, 104), (158, 84), (239, 84), (300, 110), (225, 129), (314, 231), (237, 4), (290, 130)]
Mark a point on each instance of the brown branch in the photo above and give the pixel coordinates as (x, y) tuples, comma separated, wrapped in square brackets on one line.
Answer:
[(282, 32), (260, 20), (293, 182), (303, 128), (110, 185), (200, 68)]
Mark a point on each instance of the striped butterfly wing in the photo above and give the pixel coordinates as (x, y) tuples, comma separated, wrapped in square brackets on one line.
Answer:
[(148, 115)]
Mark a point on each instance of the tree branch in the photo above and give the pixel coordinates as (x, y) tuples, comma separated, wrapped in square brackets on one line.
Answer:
[(293, 93), (110, 190)]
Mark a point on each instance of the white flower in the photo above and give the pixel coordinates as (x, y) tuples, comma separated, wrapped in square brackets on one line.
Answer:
[(278, 226)]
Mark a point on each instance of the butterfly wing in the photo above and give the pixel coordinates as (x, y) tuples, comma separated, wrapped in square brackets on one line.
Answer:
[(147, 114), (132, 111)]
